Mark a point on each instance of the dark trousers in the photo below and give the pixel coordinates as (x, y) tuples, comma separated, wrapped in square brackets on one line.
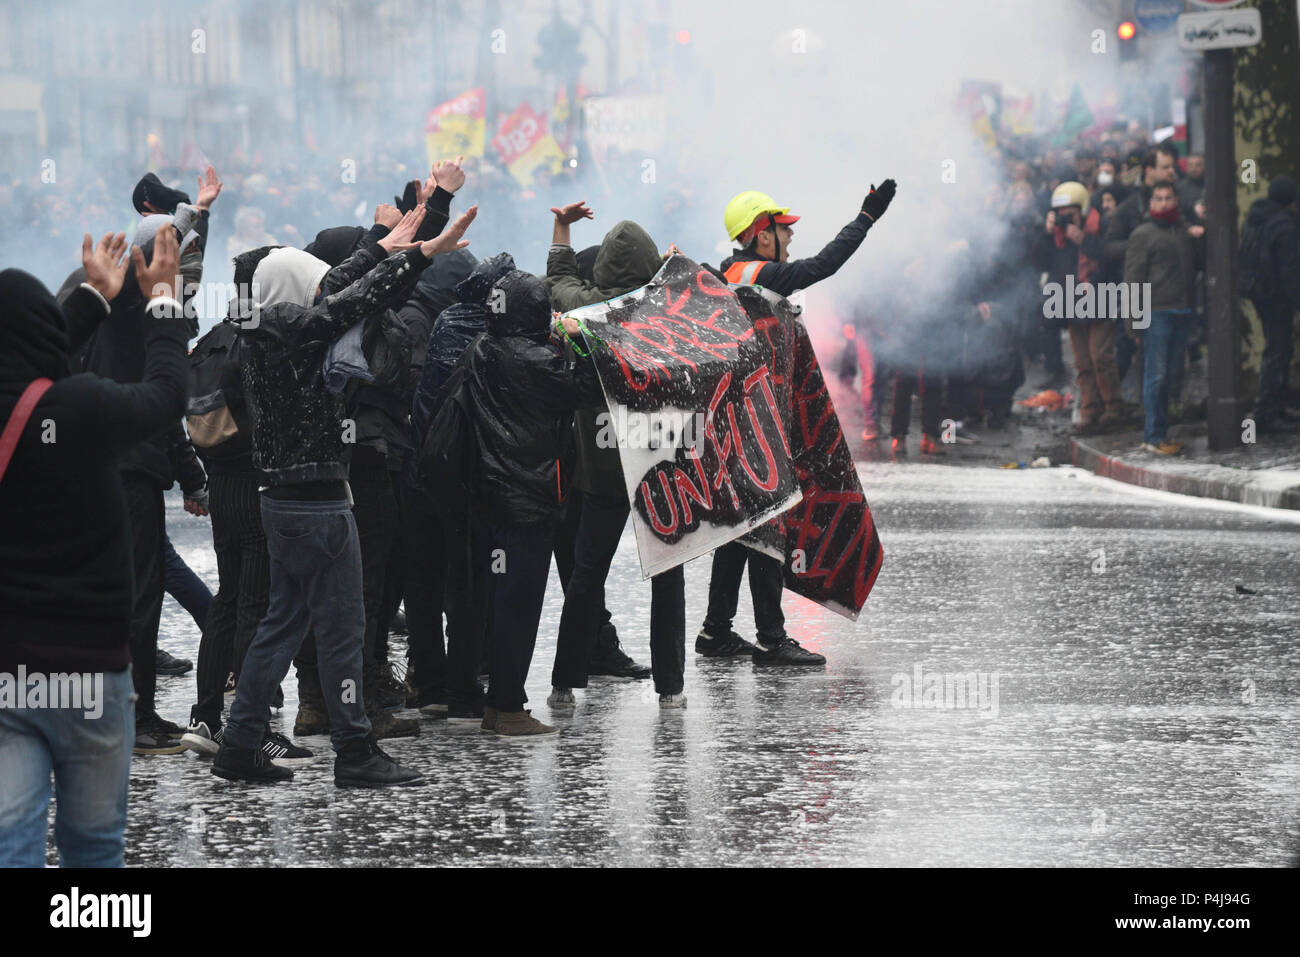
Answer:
[(144, 503), (1278, 321), (441, 579), (516, 561), (566, 540), (600, 527), (243, 588), (766, 579), (1125, 348), (930, 388), (316, 583), (375, 509), (187, 588)]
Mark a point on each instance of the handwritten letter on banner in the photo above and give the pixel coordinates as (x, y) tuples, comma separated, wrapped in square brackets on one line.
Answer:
[(742, 437)]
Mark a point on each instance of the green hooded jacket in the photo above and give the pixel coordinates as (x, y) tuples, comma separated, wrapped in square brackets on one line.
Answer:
[(628, 259)]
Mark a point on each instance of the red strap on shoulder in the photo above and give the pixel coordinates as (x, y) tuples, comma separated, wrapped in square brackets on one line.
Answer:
[(18, 419)]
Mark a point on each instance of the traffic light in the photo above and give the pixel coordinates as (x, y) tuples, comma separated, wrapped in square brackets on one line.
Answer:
[(1127, 33)]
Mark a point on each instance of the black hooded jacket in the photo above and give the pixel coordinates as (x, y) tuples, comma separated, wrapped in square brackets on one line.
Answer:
[(65, 554), (525, 387), (457, 326), (1280, 232), (298, 424)]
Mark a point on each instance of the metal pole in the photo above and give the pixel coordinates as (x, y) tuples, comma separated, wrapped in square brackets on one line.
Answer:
[(1221, 251)]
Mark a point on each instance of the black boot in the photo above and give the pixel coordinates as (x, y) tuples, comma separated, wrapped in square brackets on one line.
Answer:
[(247, 764), (362, 763)]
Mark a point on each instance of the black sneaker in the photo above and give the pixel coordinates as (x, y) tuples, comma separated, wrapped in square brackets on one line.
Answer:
[(282, 752), (152, 737), (384, 725), (168, 665), (247, 764), (609, 659), (363, 764), (157, 722), (200, 739), (786, 651), (722, 646)]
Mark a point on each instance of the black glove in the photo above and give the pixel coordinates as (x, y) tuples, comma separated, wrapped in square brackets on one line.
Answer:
[(409, 198), (878, 200)]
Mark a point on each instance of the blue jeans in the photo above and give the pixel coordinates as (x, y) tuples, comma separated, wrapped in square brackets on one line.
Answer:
[(316, 584), (187, 588), (1164, 342), (90, 758)]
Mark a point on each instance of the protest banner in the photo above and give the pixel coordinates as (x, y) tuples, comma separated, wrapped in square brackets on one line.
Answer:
[(828, 541), (456, 127), (524, 145), (677, 352)]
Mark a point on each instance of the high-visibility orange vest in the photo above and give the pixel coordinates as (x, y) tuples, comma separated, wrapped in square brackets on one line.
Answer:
[(744, 273)]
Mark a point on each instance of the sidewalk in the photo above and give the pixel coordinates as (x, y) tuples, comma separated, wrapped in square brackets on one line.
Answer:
[(1266, 473)]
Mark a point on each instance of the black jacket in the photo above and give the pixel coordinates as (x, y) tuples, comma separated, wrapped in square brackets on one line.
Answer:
[(525, 387), (787, 278), (1280, 229), (298, 424), (456, 327), (65, 553)]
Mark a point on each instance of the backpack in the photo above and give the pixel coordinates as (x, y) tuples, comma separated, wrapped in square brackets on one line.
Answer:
[(215, 415), (449, 453), (1256, 271)]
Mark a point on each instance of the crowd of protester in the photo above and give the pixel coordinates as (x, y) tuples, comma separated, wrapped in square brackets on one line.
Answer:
[(1115, 213), (313, 425), (382, 421)]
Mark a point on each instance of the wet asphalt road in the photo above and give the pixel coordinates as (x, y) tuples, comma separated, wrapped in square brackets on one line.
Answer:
[(1136, 712)]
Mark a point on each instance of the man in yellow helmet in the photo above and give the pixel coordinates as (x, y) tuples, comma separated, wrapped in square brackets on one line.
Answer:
[(763, 229)]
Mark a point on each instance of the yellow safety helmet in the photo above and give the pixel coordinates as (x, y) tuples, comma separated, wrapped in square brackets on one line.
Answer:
[(1071, 194), (749, 206)]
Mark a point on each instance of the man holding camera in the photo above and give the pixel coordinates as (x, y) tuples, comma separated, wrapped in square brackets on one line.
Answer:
[(1072, 247)]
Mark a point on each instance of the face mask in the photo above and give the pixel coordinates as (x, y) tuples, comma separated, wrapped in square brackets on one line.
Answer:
[(1105, 179)]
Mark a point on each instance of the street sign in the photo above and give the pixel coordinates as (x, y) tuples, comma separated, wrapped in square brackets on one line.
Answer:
[(1157, 15), (1220, 31)]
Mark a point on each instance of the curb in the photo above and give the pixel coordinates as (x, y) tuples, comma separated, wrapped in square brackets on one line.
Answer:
[(1270, 488)]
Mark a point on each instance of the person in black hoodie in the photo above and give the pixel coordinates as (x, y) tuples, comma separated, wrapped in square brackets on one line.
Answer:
[(65, 566), (441, 576), (116, 351), (524, 389), (628, 259), (1275, 292), (300, 428)]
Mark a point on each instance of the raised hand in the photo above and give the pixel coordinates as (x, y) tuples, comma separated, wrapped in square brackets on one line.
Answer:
[(209, 188), (448, 175), (450, 238), (160, 277), (567, 215), (105, 264), (404, 231), (386, 214), (878, 200)]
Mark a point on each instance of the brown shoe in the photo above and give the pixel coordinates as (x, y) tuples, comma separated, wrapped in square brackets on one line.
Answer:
[(311, 721), (489, 718), (384, 725), (521, 724)]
